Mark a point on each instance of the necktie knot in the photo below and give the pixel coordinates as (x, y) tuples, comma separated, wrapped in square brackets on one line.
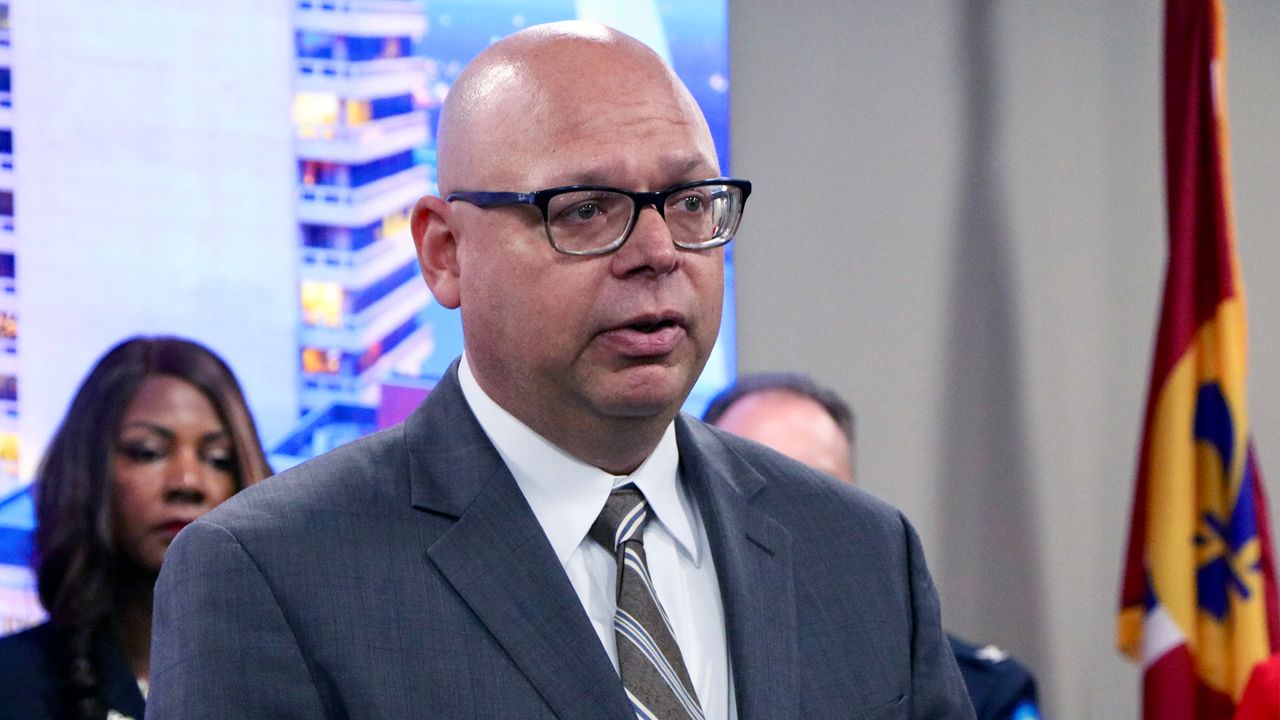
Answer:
[(622, 519)]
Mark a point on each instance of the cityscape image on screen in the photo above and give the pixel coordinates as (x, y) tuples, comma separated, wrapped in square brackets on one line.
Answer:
[(243, 176)]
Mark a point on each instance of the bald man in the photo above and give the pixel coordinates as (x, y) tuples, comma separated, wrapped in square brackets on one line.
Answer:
[(546, 536)]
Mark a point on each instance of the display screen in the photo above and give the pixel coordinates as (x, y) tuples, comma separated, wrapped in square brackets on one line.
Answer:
[(243, 177)]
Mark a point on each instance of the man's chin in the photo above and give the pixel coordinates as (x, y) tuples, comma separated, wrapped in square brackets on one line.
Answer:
[(654, 392)]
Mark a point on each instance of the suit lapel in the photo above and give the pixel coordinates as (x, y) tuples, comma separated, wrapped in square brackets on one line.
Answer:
[(497, 558), (752, 554)]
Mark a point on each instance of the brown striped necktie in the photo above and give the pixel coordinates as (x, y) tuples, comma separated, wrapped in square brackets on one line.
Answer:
[(653, 672)]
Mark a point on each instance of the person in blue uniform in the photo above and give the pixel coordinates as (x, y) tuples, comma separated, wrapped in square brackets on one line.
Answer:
[(158, 434), (1000, 687), (796, 416)]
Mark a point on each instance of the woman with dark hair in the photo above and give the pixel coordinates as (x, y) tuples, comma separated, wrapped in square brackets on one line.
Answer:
[(157, 435)]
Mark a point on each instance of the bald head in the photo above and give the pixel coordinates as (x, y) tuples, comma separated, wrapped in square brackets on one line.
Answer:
[(794, 425), (792, 414), (535, 90), (594, 352)]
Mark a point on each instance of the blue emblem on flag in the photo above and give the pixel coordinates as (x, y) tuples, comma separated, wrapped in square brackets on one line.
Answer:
[(1224, 536)]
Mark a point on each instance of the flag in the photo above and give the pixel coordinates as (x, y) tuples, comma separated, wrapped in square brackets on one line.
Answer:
[(1198, 603)]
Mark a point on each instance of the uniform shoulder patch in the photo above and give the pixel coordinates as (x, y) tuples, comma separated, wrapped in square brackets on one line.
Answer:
[(991, 654)]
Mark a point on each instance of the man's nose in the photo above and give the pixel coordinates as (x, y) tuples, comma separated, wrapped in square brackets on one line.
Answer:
[(649, 248)]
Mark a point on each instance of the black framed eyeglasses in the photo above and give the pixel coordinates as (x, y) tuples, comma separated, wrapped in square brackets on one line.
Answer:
[(596, 219)]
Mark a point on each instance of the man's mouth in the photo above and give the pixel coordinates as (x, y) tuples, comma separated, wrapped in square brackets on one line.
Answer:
[(646, 337), (652, 327)]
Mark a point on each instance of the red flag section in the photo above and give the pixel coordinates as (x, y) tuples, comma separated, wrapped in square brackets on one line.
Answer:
[(1198, 604)]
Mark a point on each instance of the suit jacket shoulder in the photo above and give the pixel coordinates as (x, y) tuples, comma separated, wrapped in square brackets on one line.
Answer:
[(785, 479), (369, 471), (847, 583), (402, 575)]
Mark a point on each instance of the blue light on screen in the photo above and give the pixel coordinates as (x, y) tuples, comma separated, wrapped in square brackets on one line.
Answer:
[(242, 175)]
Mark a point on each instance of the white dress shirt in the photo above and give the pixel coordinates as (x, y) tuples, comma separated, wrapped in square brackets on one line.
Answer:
[(567, 495)]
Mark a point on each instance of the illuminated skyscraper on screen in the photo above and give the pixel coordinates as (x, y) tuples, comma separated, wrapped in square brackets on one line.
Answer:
[(18, 605), (361, 141), (9, 362), (244, 178)]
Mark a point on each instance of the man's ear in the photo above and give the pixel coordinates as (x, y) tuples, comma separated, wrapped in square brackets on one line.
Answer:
[(437, 249)]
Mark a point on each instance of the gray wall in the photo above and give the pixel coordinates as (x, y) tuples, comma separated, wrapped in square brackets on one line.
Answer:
[(958, 222)]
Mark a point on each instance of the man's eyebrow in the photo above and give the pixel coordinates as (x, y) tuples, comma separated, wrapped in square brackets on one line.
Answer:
[(681, 170)]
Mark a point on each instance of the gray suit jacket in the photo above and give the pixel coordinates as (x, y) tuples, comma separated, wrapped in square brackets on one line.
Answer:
[(404, 576)]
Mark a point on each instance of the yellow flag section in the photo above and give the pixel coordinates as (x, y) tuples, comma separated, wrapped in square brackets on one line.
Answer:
[(1202, 544)]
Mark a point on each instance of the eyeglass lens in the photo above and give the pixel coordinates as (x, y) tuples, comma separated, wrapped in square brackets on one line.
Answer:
[(586, 220)]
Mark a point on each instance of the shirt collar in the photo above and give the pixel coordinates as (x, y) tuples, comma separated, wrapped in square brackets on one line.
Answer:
[(566, 494)]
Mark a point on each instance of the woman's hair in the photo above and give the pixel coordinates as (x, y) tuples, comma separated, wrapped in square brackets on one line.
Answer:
[(76, 560)]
